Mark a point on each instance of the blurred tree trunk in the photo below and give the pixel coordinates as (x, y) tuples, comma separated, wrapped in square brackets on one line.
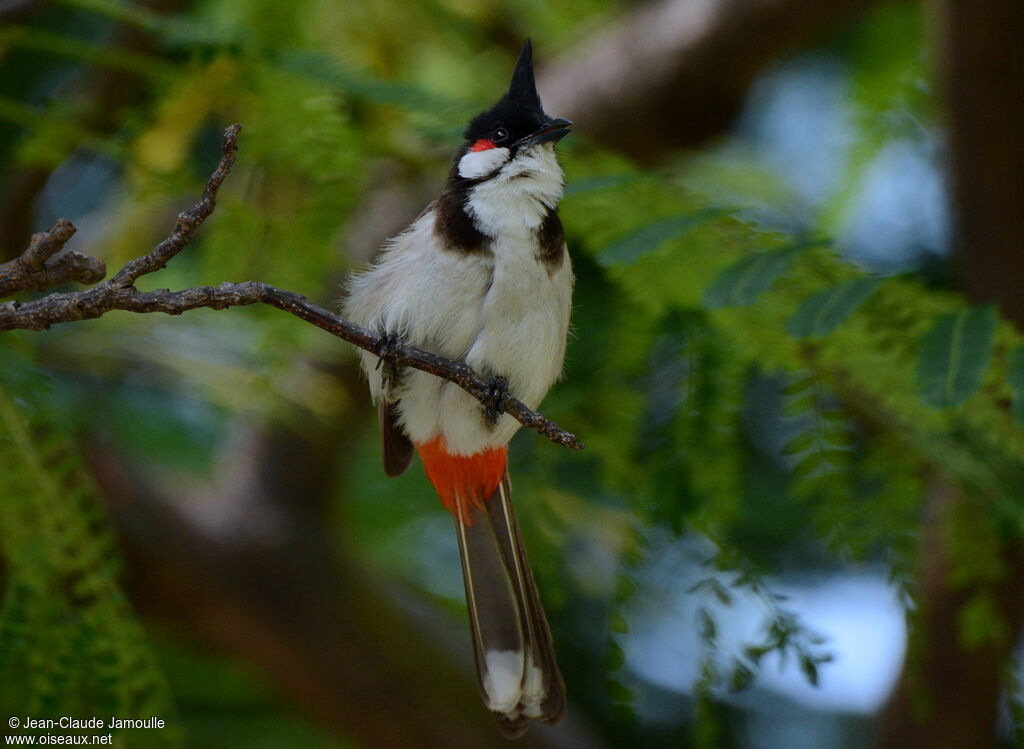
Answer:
[(983, 45), (949, 695), (674, 74)]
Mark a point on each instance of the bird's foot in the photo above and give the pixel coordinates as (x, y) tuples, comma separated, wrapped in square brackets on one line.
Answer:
[(497, 398), (389, 348)]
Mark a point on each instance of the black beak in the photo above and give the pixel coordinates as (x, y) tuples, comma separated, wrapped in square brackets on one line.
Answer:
[(552, 131), (522, 92)]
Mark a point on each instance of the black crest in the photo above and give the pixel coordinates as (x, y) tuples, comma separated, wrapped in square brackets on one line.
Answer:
[(518, 113)]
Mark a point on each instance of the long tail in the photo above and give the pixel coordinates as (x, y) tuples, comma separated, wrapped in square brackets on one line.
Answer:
[(515, 658)]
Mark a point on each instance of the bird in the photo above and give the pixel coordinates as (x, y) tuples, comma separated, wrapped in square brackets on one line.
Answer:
[(482, 276)]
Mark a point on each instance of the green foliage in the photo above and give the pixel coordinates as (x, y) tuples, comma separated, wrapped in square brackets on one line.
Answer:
[(69, 641), (222, 698), (744, 281), (825, 311), (821, 446), (1016, 380), (783, 634), (630, 248), (686, 441), (62, 45), (892, 97), (621, 699), (849, 343), (954, 354)]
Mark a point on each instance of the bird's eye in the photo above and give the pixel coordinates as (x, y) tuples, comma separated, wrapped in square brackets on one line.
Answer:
[(500, 134)]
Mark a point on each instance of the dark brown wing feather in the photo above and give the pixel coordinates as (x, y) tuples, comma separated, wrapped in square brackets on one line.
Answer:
[(398, 448)]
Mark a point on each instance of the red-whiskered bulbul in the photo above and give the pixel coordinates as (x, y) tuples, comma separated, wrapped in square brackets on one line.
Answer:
[(482, 276)]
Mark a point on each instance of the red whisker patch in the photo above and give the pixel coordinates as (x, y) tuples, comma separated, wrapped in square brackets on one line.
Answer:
[(470, 479), (482, 145)]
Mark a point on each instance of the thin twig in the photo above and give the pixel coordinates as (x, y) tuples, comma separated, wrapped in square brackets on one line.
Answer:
[(188, 221), (119, 293)]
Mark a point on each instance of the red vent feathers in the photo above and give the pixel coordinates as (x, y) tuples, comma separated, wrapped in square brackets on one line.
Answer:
[(470, 478)]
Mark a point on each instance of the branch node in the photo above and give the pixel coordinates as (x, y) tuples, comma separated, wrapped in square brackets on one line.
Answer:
[(43, 265)]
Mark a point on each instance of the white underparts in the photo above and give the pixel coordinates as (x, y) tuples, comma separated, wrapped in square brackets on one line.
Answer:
[(477, 164), (514, 202)]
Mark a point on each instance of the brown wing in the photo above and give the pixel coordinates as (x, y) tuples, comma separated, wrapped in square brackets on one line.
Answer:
[(398, 448)]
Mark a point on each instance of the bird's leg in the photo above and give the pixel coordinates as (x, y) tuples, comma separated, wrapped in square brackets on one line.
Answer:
[(497, 396), (388, 348)]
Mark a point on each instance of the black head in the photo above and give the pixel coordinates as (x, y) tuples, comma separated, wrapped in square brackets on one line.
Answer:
[(518, 119)]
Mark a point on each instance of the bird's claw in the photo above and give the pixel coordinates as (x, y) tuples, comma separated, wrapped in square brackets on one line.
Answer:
[(388, 348), (497, 398)]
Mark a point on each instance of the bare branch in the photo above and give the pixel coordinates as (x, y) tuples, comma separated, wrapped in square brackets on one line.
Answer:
[(188, 221), (119, 293), (33, 270)]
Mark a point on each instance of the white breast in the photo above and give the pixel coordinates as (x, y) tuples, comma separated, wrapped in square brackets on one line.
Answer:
[(431, 297), (515, 201), (502, 311)]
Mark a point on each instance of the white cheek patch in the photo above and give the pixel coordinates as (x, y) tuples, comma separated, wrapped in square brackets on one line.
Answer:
[(480, 163)]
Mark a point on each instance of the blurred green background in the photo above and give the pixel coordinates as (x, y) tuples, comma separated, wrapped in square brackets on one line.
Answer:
[(796, 229)]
